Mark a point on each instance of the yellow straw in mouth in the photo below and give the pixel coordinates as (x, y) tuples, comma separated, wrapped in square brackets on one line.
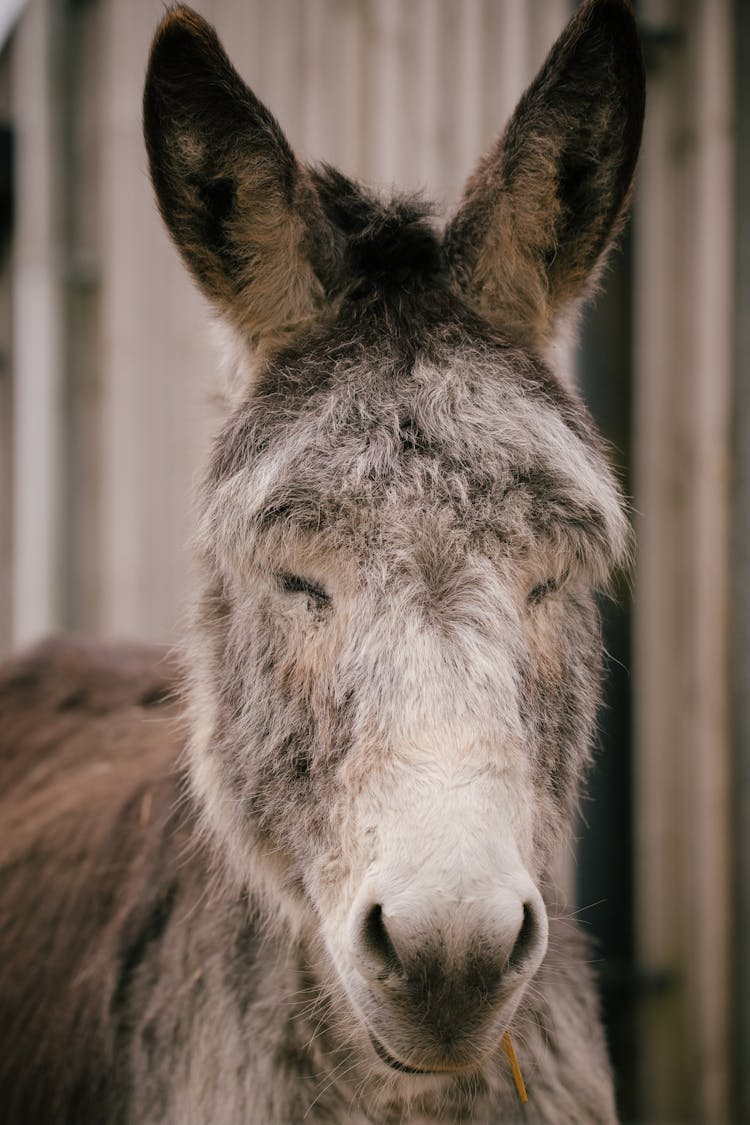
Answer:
[(517, 1077)]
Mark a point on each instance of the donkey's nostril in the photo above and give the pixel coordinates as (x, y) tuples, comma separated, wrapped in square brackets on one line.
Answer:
[(527, 940), (502, 937), (376, 945)]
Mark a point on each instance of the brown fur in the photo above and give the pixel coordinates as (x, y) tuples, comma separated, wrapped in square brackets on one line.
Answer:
[(91, 838)]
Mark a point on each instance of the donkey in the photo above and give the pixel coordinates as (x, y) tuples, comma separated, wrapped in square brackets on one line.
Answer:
[(301, 872)]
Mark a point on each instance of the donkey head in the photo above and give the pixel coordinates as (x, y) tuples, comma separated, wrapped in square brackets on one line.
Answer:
[(404, 525)]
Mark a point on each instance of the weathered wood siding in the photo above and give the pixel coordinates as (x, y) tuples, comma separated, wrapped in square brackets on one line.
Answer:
[(684, 275)]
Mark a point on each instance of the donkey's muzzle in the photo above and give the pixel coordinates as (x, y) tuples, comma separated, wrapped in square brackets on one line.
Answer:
[(434, 983)]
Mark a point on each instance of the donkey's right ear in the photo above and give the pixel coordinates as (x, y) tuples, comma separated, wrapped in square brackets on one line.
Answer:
[(240, 207), (541, 211)]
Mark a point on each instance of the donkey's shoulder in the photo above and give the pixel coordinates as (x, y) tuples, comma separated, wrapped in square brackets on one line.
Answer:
[(96, 843), (72, 704), (81, 718), (81, 677)]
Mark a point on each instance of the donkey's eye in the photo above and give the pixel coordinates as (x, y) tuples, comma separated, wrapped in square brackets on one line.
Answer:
[(293, 584), (540, 592)]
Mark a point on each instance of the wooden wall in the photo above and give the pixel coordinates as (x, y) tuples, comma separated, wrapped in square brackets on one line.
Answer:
[(684, 314)]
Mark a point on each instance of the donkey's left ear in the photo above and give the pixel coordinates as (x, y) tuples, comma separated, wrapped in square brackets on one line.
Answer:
[(241, 208), (545, 204)]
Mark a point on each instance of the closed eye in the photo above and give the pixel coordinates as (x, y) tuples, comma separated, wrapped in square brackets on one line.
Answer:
[(540, 592), (293, 584)]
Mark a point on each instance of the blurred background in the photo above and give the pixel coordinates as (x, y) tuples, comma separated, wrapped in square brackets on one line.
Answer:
[(107, 405)]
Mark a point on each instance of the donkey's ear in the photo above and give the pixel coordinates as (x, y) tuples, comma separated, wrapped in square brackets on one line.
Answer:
[(544, 205), (240, 207)]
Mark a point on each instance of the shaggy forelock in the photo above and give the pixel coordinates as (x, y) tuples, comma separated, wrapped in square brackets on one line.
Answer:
[(463, 435)]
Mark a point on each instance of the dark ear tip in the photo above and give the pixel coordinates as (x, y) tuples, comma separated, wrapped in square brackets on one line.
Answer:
[(181, 35), (180, 18), (616, 18), (186, 63), (613, 22), (594, 9)]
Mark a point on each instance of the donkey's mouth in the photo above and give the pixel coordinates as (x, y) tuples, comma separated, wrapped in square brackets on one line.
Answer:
[(403, 1068), (389, 1060)]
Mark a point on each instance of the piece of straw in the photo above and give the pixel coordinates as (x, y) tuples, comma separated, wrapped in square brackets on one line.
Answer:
[(515, 1068)]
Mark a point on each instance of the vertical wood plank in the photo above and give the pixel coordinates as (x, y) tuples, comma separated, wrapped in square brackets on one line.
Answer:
[(658, 633), (428, 119), (7, 437), (157, 361), (683, 306), (82, 358), (38, 332), (709, 313)]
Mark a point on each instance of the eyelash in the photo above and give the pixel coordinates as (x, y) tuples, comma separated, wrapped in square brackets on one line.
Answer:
[(293, 584), (542, 590)]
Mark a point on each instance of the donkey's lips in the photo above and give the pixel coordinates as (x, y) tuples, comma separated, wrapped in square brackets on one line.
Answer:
[(386, 1057), (394, 1064)]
